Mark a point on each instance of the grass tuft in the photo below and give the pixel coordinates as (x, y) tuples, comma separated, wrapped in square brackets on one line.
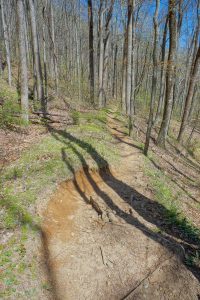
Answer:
[(37, 172), (173, 216)]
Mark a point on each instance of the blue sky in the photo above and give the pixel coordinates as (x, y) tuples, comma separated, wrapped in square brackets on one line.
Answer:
[(189, 19)]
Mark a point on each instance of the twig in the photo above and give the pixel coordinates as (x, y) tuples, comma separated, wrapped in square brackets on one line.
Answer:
[(102, 255), (147, 276)]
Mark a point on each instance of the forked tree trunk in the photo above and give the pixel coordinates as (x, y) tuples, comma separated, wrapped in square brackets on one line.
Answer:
[(23, 62), (169, 75)]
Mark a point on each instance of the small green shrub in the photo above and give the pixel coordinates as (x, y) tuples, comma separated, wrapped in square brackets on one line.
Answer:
[(193, 260), (10, 110), (76, 117)]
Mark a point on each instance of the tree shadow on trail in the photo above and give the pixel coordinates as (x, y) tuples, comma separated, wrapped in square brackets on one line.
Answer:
[(148, 209)]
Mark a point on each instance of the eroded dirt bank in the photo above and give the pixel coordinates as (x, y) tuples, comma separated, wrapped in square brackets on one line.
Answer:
[(102, 240)]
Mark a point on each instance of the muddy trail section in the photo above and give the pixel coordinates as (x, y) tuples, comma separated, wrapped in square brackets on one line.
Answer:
[(101, 235)]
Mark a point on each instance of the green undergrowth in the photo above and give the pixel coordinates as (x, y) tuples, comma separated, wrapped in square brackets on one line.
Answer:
[(171, 201), (10, 110), (173, 216), (194, 149), (38, 171), (120, 117)]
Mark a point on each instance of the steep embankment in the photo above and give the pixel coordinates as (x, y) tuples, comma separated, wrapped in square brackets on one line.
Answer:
[(106, 236)]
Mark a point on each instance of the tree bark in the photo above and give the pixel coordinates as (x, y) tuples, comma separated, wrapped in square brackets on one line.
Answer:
[(91, 49), (101, 54), (114, 84), (129, 56), (6, 42), (188, 102), (36, 56), (169, 75), (23, 62), (45, 55), (154, 79), (162, 77), (124, 68), (106, 51), (54, 63)]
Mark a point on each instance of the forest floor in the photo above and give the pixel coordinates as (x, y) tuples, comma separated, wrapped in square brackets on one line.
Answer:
[(124, 226), (108, 239)]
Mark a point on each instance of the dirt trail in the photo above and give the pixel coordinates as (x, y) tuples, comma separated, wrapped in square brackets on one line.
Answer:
[(103, 244)]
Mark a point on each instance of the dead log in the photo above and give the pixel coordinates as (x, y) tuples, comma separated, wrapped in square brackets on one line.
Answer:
[(47, 114)]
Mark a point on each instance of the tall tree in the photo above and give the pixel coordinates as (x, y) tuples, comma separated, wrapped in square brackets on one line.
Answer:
[(129, 56), (106, 50), (54, 63), (91, 49), (6, 42), (169, 75), (22, 62), (188, 102), (101, 53), (154, 78), (36, 56), (162, 76)]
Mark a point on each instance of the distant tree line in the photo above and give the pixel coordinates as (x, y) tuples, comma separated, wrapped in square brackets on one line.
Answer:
[(129, 51)]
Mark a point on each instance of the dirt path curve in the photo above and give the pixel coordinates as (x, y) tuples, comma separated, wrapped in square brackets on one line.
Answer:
[(100, 242)]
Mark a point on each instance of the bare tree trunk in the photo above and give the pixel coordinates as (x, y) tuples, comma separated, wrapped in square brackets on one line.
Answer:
[(53, 49), (189, 97), (23, 62), (169, 75), (154, 79), (45, 55), (124, 67), (78, 60), (91, 49), (114, 94), (194, 103), (162, 79), (1, 63), (36, 56), (129, 56), (133, 88), (139, 79), (101, 54), (106, 51), (6, 42)]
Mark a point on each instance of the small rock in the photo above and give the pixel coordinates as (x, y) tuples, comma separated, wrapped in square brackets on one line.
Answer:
[(112, 217), (130, 211), (146, 284)]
